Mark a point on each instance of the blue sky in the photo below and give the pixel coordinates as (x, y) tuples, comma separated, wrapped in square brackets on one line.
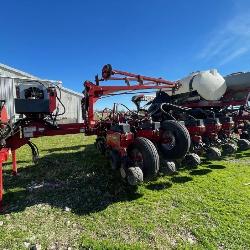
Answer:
[(72, 40)]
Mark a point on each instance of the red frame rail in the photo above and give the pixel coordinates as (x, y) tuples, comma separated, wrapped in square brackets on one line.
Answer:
[(93, 92)]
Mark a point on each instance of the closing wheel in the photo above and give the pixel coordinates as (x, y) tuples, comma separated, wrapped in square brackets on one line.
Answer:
[(168, 167), (175, 140), (192, 160), (213, 153), (246, 131), (134, 176), (142, 153), (229, 148), (243, 144)]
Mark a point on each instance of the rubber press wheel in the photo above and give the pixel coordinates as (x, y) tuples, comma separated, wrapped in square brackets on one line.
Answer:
[(174, 141), (229, 148), (192, 160), (134, 176), (243, 144), (213, 153), (248, 130), (143, 154), (168, 167)]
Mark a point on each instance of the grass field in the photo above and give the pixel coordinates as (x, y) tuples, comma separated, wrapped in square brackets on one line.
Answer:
[(72, 200)]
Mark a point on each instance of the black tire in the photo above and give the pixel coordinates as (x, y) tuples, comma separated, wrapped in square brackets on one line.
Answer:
[(134, 176), (100, 145), (168, 167), (181, 138), (213, 153), (192, 160), (247, 130), (149, 163), (243, 144), (115, 159), (229, 148)]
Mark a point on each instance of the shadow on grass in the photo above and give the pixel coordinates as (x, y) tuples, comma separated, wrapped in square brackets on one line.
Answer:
[(181, 179), (213, 166), (238, 156), (200, 171), (82, 181), (205, 161), (159, 186), (51, 150), (10, 163)]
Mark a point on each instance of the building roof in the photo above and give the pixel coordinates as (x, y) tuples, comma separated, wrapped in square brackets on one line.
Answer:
[(6, 70), (9, 72)]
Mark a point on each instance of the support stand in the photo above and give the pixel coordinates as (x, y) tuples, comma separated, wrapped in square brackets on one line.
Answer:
[(14, 165)]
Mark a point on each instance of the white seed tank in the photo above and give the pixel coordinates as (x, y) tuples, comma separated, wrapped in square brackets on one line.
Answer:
[(209, 84)]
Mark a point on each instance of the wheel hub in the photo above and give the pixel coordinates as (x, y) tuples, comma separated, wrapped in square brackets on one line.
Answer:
[(168, 140), (137, 158)]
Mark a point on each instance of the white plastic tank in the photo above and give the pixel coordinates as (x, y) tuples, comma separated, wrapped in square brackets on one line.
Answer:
[(209, 84)]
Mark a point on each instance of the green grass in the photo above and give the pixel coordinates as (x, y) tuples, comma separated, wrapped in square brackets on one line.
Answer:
[(71, 198)]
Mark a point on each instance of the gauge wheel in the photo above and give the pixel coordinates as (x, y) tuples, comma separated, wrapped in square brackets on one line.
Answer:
[(174, 140), (142, 153)]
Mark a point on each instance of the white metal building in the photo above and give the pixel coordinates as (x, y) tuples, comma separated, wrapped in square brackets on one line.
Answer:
[(10, 77)]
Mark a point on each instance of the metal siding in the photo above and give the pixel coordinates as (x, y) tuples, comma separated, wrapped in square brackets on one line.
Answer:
[(72, 105), (7, 92)]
